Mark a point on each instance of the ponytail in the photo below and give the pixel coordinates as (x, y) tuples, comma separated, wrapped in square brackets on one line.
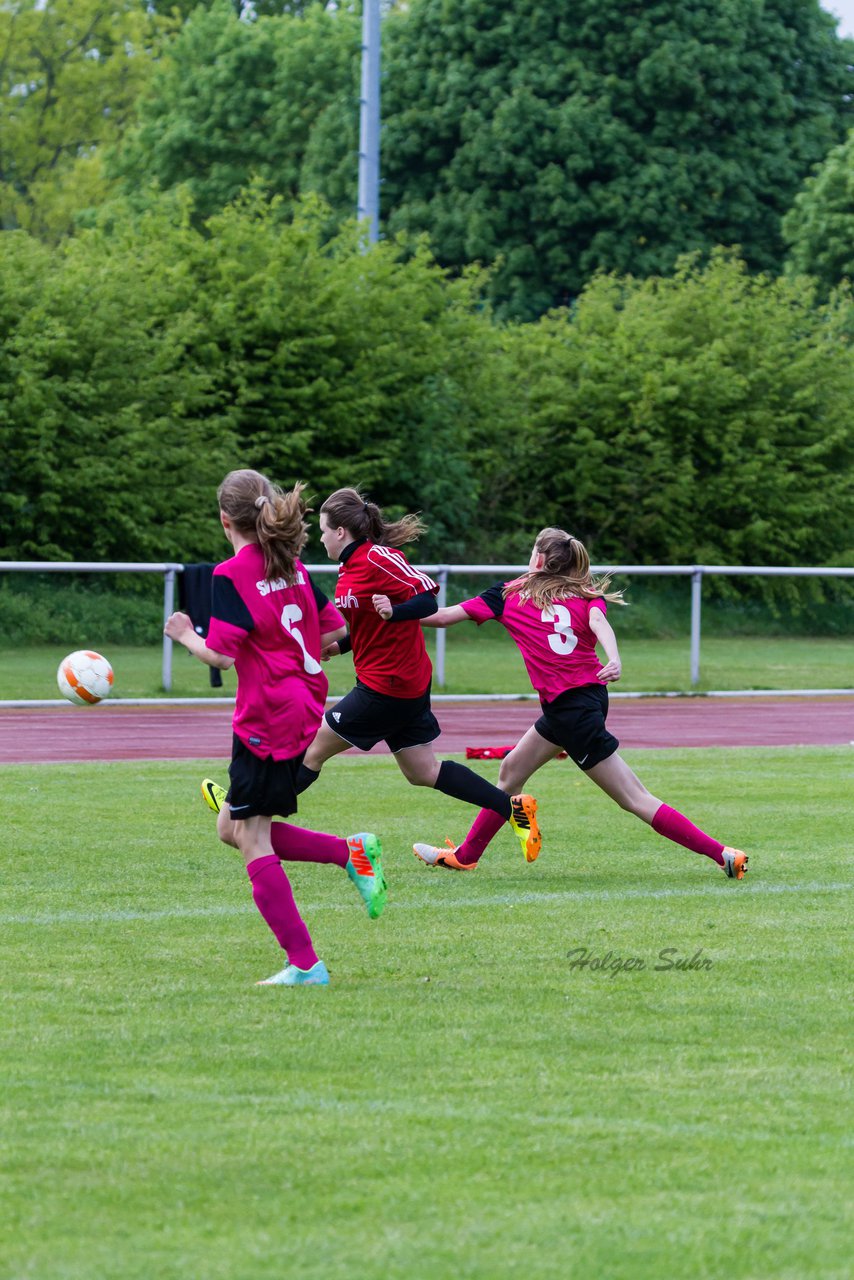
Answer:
[(565, 572), (261, 511), (349, 509)]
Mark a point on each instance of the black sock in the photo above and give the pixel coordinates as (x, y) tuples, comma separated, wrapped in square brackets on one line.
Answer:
[(305, 777), (464, 784)]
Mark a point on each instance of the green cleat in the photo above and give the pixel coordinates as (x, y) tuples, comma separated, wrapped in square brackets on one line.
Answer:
[(365, 869), (213, 795)]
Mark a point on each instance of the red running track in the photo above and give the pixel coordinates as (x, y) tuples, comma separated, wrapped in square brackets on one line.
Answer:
[(52, 735)]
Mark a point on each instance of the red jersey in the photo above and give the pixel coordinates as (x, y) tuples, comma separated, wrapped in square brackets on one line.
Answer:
[(389, 657), (557, 644), (272, 631)]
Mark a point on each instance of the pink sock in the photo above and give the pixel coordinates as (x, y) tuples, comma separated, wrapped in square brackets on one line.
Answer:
[(484, 827), (675, 826), (294, 844), (274, 899)]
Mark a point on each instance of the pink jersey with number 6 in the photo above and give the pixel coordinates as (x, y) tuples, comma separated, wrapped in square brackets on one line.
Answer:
[(557, 643), (272, 631)]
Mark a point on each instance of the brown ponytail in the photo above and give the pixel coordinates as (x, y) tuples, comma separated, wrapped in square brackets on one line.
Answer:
[(261, 511), (565, 572), (348, 509)]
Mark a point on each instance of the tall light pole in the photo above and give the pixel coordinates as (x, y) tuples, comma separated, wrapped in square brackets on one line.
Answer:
[(369, 121)]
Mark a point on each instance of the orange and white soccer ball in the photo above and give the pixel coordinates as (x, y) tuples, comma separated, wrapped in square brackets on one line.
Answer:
[(84, 677)]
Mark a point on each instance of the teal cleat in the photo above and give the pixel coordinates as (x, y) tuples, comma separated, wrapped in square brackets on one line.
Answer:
[(316, 976), (365, 869)]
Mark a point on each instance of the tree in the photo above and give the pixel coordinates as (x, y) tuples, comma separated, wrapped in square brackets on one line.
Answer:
[(100, 413), (232, 100), (820, 225), (247, 9), (70, 73), (147, 357), (706, 414), (565, 138)]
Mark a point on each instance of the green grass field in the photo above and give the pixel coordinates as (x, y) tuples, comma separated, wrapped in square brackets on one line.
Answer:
[(483, 660), (460, 1102)]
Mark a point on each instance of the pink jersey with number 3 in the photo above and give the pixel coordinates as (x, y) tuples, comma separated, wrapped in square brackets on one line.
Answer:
[(272, 631), (557, 644)]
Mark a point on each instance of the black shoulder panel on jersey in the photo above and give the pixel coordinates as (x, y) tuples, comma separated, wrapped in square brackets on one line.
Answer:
[(228, 605), (494, 597), (320, 599)]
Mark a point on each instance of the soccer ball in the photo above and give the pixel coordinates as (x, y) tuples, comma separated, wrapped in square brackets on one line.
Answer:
[(84, 677)]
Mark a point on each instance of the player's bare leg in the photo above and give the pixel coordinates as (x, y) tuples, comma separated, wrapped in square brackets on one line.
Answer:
[(226, 828), (619, 782), (623, 785), (326, 744), (516, 768), (531, 752), (418, 765)]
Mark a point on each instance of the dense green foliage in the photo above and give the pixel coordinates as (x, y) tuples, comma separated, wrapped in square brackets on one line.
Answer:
[(142, 361), (570, 137), (70, 74), (233, 100), (555, 140), (707, 411), (679, 408), (704, 415), (820, 224)]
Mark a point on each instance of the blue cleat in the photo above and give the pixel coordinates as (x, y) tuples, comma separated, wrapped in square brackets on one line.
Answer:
[(316, 976)]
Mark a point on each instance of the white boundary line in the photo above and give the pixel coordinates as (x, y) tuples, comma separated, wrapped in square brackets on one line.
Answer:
[(27, 703), (419, 904)]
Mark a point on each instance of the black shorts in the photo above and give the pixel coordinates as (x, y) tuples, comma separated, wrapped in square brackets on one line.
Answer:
[(364, 717), (261, 786), (575, 721)]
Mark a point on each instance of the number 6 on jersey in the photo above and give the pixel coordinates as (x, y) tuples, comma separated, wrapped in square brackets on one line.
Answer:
[(292, 614)]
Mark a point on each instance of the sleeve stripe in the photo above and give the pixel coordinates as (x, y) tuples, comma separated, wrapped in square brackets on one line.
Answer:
[(405, 571)]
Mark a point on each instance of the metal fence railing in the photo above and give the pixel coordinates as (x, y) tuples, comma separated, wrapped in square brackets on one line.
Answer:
[(442, 573)]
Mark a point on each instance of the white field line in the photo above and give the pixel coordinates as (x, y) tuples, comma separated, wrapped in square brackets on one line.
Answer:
[(420, 904), (23, 704)]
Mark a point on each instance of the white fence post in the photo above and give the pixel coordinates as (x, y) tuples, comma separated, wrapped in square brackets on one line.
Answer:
[(168, 608), (441, 633), (696, 603)]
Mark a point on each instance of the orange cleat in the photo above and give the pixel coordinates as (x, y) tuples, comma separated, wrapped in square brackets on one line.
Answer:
[(735, 864), (446, 857)]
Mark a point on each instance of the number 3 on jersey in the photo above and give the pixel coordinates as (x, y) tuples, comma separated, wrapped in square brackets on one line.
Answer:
[(563, 638), (291, 614)]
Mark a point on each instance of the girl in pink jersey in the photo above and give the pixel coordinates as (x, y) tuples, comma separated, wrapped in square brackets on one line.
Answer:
[(391, 700), (556, 614), (270, 623)]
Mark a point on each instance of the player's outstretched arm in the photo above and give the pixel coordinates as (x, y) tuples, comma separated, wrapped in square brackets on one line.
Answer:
[(447, 617), (179, 627), (414, 609), (604, 633)]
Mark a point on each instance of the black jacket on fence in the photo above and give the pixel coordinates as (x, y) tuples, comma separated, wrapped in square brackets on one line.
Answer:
[(195, 588)]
